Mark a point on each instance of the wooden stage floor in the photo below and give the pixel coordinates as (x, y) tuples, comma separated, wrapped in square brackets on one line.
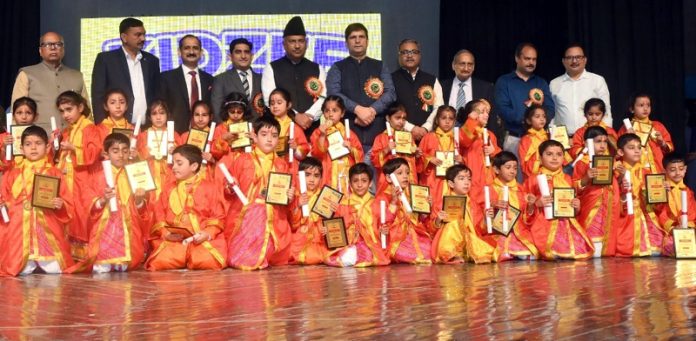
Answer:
[(612, 299)]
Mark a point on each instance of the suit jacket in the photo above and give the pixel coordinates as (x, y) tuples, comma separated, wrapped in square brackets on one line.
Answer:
[(480, 89), (172, 89), (228, 82), (111, 72)]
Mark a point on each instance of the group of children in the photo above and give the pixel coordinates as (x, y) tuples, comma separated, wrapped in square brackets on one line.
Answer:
[(210, 207)]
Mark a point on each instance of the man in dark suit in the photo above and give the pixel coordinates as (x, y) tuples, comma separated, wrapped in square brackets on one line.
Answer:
[(241, 78), (180, 88), (129, 68), (463, 88)]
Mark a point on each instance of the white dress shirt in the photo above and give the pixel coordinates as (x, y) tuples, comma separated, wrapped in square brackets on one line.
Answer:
[(468, 94), (188, 79), (268, 85), (571, 94), (137, 84)]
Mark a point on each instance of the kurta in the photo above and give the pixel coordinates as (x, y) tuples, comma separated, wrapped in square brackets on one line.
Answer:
[(335, 172), (433, 142), (652, 152), (303, 146), (519, 243), (308, 246), (669, 214), (409, 236), (107, 126), (33, 233), (381, 154), (578, 141), (528, 151), (6, 165), (193, 204), (471, 148), (156, 155)]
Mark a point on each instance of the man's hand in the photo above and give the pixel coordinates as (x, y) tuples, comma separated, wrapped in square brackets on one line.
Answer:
[(418, 132), (303, 120)]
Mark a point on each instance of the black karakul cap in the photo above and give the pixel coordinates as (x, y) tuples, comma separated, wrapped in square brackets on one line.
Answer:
[(295, 27)]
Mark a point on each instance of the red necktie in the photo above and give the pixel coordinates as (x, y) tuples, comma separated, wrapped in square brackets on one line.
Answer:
[(194, 88)]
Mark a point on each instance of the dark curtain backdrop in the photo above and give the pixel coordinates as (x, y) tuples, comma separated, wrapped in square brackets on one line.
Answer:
[(19, 24), (637, 45)]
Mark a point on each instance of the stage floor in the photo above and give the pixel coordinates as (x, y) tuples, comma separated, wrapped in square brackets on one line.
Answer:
[(599, 299)]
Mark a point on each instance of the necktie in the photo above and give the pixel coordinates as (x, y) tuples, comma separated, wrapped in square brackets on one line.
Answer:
[(194, 88), (461, 96), (245, 82)]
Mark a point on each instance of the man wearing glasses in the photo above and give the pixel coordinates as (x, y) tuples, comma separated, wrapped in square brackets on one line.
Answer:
[(44, 81), (571, 90), (411, 83)]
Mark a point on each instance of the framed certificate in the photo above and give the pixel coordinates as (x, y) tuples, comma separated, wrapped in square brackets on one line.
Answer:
[(45, 190), (684, 243), (140, 176), (655, 187), (278, 186), (186, 233), (454, 206), (605, 170), (643, 130), (123, 131), (16, 131), (404, 142), (419, 199), (512, 214), (562, 206), (336, 148), (335, 233), (447, 162), (281, 148), (198, 138), (241, 128), (560, 134), (326, 198)]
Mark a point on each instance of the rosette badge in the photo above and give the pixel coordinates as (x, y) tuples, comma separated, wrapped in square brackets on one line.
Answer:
[(314, 87), (427, 96), (257, 103), (536, 96), (374, 88)]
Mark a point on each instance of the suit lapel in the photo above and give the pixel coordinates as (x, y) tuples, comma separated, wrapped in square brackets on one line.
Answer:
[(181, 79)]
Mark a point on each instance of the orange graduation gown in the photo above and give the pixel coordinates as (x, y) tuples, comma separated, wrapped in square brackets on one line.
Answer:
[(156, 156), (336, 171), (471, 148), (652, 152), (669, 214), (409, 236), (433, 142), (308, 246), (381, 154)]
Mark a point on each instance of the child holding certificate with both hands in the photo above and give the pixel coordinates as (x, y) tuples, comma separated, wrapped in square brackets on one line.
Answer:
[(200, 122), (308, 246), (674, 213), (227, 141)]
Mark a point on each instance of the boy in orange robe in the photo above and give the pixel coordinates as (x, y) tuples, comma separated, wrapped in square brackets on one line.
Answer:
[(188, 219), (308, 245), (360, 215), (258, 234), (115, 106), (472, 146), (34, 237), (670, 213), (638, 234)]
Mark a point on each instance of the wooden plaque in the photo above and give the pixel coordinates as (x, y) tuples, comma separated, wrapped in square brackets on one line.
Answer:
[(46, 188), (605, 167), (335, 233), (454, 206), (277, 191), (326, 197)]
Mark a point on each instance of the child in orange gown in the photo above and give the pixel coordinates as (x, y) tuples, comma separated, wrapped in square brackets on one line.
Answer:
[(200, 120), (409, 232), (280, 106), (258, 233), (595, 109), (224, 141), (556, 237), (472, 146), (23, 113), (153, 145), (528, 151), (360, 215), (187, 233), (115, 107), (600, 207), (35, 236), (670, 213), (308, 245), (460, 239)]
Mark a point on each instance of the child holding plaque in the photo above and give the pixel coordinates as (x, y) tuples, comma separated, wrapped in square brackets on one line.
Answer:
[(385, 146), (115, 107), (308, 246), (280, 105), (439, 153), (670, 214), (226, 141), (117, 239), (23, 113), (477, 146), (408, 232), (655, 138), (360, 214), (600, 207), (595, 109), (519, 242), (641, 223), (187, 233), (35, 236), (528, 150), (80, 149), (336, 157), (258, 234), (461, 239), (153, 144), (200, 122), (554, 237)]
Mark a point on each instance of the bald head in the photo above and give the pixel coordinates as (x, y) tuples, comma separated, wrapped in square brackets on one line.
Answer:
[(51, 48)]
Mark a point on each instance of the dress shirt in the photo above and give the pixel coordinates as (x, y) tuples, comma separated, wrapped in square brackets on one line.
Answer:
[(137, 84), (571, 94)]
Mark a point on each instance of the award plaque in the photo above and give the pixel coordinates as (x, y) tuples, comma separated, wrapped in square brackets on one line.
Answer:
[(560, 134), (281, 148), (404, 142), (123, 131), (604, 164), (278, 186), (447, 162), (335, 233), (157, 144), (198, 138), (562, 206), (140, 176), (419, 199), (336, 148), (512, 214), (643, 130), (655, 188), (684, 243), (327, 197), (45, 190), (242, 129), (186, 233), (16, 131), (454, 206)]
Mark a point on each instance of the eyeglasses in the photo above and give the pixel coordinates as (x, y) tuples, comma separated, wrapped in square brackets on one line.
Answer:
[(409, 52), (574, 58), (57, 45)]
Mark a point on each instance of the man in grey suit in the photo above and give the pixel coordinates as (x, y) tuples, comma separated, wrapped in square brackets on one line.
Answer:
[(241, 78)]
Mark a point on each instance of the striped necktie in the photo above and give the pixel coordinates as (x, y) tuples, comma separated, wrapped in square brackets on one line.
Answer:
[(245, 82), (461, 96)]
